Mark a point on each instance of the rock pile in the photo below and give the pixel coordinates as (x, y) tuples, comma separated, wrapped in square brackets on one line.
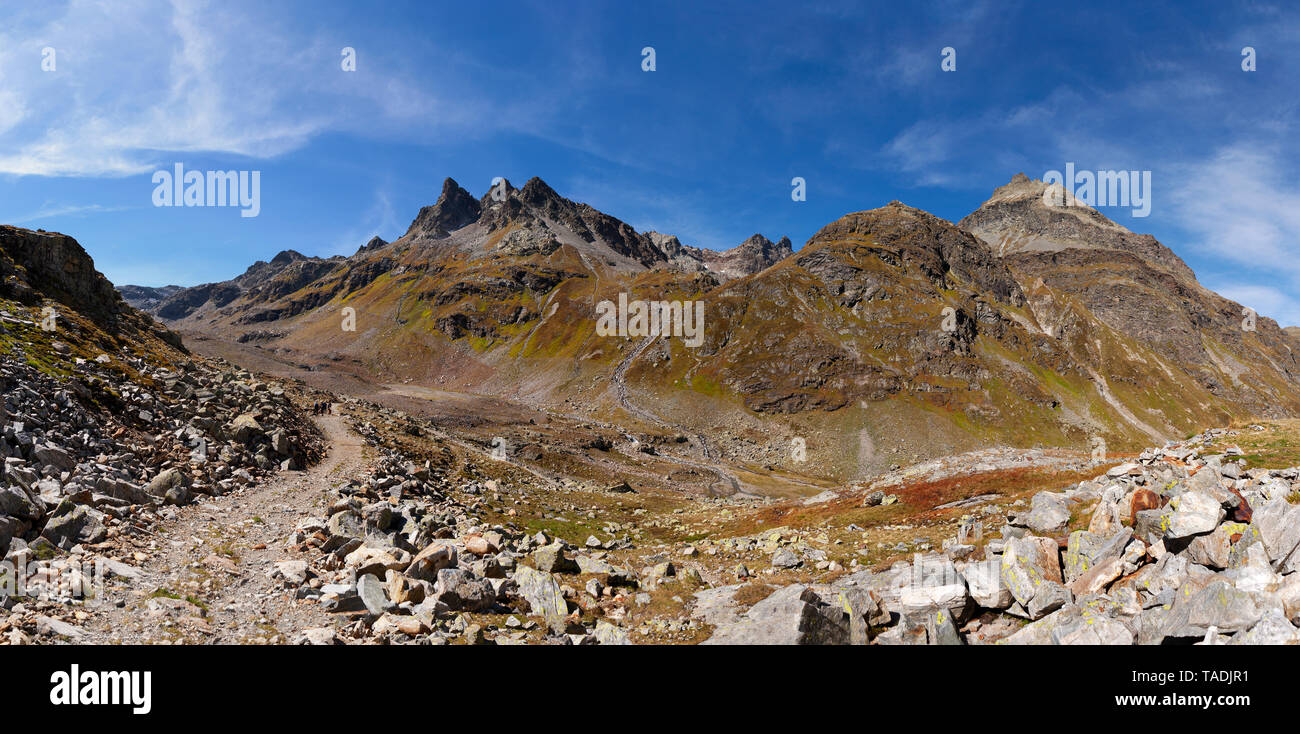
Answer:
[(402, 560), (92, 456), (1180, 547)]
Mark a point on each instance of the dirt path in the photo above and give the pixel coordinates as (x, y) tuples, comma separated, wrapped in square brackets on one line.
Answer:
[(205, 581), (620, 387)]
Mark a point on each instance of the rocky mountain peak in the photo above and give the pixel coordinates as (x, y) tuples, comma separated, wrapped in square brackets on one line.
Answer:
[(749, 257), (454, 209), (934, 245), (667, 243), (1023, 215), (769, 251), (36, 264), (284, 257), (537, 192), (491, 196), (375, 243)]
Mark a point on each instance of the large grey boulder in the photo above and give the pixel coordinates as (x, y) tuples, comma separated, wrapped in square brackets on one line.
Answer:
[(1086, 549), (543, 595), (792, 615), (934, 583), (1279, 528), (10, 528), (346, 524), (1219, 605), (18, 502), (1273, 629), (245, 429), (1027, 564), (71, 524), (462, 591), (552, 559), (610, 634), (932, 627), (166, 480), (1193, 513), (1093, 620), (371, 590), (1215, 549), (1049, 513), (436, 556), (984, 581), (54, 456)]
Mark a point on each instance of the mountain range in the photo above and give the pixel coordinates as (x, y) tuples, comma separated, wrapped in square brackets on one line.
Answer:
[(892, 335)]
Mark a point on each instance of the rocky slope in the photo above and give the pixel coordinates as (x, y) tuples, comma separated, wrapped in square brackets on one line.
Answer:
[(1181, 546), (108, 422)]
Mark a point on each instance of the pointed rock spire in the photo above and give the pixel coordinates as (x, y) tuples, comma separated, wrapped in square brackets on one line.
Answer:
[(454, 209)]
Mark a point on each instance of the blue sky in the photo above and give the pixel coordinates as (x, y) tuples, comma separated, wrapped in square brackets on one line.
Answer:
[(744, 97)]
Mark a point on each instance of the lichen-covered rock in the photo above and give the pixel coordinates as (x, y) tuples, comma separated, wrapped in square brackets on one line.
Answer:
[(543, 595), (1028, 563)]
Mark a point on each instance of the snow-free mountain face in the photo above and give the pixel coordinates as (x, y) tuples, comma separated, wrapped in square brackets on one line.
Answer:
[(1137, 287), (891, 334)]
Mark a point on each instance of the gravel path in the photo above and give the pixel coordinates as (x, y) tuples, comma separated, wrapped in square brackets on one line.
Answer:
[(205, 581)]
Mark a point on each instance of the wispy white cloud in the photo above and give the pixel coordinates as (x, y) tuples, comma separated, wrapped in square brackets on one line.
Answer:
[(1240, 205), (380, 219), (1265, 300), (137, 79), (51, 209)]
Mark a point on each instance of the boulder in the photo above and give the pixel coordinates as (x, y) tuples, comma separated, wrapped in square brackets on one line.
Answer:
[(371, 591), (71, 524), (1219, 604), (1049, 513), (610, 634), (1193, 513), (543, 596), (984, 581), (166, 480), (1279, 528), (791, 615), (552, 559), (1215, 549), (1027, 564), (17, 502), (48, 455), (428, 562), (1273, 629), (785, 558), (462, 591), (245, 429)]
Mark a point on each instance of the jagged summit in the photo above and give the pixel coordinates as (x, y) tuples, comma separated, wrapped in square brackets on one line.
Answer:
[(454, 209), (751, 256), (374, 243)]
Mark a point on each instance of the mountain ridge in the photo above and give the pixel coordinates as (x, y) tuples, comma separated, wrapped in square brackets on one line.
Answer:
[(891, 332)]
